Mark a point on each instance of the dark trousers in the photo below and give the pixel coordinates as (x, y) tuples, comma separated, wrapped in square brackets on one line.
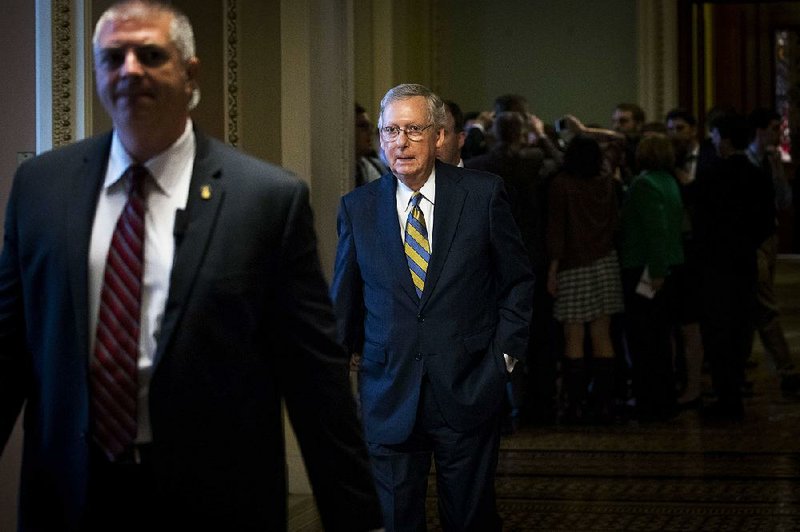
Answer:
[(728, 298), (539, 374), (125, 497), (648, 330), (465, 469), (122, 496)]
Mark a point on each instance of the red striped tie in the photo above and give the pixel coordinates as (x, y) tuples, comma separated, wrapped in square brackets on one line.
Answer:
[(113, 368)]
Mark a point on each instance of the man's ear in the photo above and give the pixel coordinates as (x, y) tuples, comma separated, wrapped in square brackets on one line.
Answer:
[(192, 71), (440, 137), (192, 84)]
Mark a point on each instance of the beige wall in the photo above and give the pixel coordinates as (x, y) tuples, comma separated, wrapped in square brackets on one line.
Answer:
[(18, 89), (569, 56), (17, 134), (260, 79), (563, 56)]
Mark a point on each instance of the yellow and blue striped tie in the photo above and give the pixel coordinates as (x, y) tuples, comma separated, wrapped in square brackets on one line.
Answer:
[(418, 250)]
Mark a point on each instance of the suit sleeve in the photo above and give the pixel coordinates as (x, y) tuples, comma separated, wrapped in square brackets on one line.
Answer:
[(514, 278), (13, 356), (347, 286), (315, 385)]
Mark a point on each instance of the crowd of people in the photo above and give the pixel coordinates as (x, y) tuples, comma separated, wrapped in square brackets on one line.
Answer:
[(654, 248), (157, 335)]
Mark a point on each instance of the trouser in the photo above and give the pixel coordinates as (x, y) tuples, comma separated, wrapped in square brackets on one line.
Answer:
[(766, 314), (466, 463), (649, 328), (728, 298)]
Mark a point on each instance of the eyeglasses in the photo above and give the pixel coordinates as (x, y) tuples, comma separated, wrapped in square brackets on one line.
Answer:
[(413, 132), (148, 55)]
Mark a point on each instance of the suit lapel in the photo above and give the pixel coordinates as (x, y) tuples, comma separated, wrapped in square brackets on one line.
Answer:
[(206, 194), (389, 234), (84, 187), (447, 212)]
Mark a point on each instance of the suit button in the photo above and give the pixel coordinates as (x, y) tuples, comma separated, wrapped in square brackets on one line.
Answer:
[(420, 318), (418, 357)]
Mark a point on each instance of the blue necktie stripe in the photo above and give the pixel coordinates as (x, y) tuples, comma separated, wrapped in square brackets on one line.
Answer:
[(416, 269), (420, 251)]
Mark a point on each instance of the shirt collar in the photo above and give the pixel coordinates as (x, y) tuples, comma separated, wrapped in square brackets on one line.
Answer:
[(428, 190), (164, 167)]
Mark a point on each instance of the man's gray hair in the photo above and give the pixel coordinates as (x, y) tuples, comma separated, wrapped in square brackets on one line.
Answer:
[(180, 29), (436, 109)]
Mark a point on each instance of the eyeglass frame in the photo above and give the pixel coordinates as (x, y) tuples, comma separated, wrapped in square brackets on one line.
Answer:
[(417, 135)]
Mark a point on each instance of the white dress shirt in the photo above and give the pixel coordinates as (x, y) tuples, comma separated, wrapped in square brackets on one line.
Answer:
[(426, 204), (691, 162), (164, 194)]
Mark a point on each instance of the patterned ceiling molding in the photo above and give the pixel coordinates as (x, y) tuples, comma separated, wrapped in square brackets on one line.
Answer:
[(63, 73), (231, 72)]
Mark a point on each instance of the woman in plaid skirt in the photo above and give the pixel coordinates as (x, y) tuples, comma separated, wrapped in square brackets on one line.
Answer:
[(584, 274)]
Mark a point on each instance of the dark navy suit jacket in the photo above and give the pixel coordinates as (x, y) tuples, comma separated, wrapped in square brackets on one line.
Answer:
[(247, 323), (476, 305)]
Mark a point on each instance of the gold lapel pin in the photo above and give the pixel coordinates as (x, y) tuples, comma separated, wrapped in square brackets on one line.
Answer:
[(205, 192)]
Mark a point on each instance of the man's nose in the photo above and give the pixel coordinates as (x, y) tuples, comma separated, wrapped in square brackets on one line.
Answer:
[(131, 64), (402, 138)]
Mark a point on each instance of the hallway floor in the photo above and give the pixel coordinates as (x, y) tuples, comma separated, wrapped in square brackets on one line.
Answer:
[(685, 474)]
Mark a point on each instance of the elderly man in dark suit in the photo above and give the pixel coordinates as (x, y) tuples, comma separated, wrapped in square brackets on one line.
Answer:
[(432, 287), (160, 293)]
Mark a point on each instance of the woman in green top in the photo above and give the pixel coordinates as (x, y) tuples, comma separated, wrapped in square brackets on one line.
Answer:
[(651, 229)]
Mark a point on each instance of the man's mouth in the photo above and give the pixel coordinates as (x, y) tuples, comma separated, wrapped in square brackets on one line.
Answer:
[(132, 91), (133, 94)]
